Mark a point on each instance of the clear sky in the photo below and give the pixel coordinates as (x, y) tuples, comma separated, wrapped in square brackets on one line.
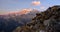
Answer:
[(15, 5)]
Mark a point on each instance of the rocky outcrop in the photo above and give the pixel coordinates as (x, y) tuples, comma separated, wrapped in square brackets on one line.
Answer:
[(47, 21)]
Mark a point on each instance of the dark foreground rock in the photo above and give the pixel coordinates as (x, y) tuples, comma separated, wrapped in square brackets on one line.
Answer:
[(47, 21)]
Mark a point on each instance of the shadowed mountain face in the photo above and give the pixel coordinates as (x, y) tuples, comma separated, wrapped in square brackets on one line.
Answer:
[(9, 22)]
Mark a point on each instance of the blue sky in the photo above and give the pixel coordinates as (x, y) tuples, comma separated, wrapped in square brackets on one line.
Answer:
[(15, 5)]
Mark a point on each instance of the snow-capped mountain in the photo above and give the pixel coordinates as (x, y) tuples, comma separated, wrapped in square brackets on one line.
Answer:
[(14, 19)]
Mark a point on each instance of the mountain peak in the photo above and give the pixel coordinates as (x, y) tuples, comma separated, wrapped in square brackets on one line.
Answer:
[(23, 11)]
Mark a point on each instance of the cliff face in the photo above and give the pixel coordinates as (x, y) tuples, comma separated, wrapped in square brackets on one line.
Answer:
[(47, 21), (50, 19)]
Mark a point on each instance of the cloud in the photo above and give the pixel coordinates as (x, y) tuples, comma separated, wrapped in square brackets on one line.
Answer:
[(36, 3), (42, 7)]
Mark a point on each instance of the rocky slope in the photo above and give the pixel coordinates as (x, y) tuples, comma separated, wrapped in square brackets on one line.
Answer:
[(47, 21)]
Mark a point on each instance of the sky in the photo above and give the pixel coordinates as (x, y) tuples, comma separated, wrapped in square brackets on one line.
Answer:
[(16, 5)]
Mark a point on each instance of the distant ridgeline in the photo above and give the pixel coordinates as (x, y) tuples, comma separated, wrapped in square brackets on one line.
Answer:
[(47, 21), (9, 22)]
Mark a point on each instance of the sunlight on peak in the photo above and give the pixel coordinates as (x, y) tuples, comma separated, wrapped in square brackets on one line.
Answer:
[(27, 9)]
